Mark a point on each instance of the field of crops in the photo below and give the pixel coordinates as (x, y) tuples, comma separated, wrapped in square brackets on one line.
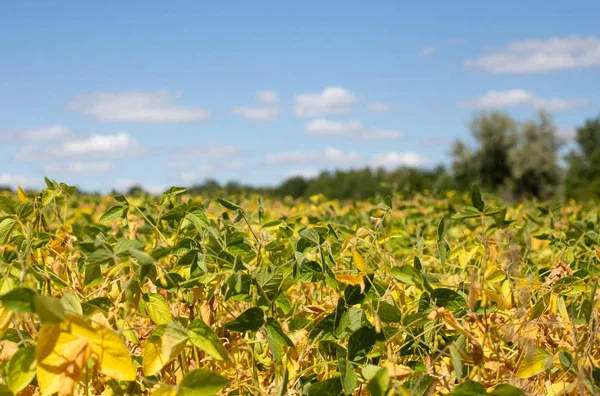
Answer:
[(179, 295)]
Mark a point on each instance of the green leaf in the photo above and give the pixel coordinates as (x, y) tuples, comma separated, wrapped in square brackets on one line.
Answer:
[(443, 251), (388, 201), (330, 387), (506, 390), (361, 342), (21, 369), (228, 205), (177, 213), (467, 213), (113, 213), (49, 309), (441, 230), (534, 363), (24, 210), (389, 313), (276, 338), (250, 320), (48, 196), (19, 300), (71, 303), (311, 235), (124, 245), (7, 205), (456, 362), (347, 373), (341, 319), (174, 190), (476, 198), (157, 309), (409, 275), (6, 227), (378, 385), (100, 256), (469, 388), (197, 217), (448, 298), (203, 337), (201, 382), (269, 279)]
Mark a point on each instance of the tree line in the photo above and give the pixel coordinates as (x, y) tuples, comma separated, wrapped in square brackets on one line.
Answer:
[(518, 160)]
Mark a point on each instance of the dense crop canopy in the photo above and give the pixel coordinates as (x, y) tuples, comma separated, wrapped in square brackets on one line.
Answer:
[(243, 296)]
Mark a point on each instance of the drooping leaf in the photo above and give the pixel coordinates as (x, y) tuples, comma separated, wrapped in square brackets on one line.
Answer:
[(276, 338), (347, 373), (201, 382), (18, 300), (113, 213), (250, 320), (164, 344), (21, 369), (49, 309), (329, 387), (448, 298), (203, 337), (70, 303)]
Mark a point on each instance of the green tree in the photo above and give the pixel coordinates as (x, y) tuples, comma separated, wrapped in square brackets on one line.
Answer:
[(534, 161), (465, 166), (583, 176), (496, 135)]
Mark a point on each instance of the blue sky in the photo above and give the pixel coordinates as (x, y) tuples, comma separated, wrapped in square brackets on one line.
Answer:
[(108, 94)]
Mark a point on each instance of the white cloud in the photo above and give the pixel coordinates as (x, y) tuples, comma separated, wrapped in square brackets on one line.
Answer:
[(305, 173), (51, 132), (427, 51), (267, 97), (44, 133), (497, 99), (521, 97), (378, 107), (538, 56), (80, 167), (558, 104), (26, 182), (257, 113), (142, 107), (392, 160), (351, 160), (93, 146), (330, 155), (350, 129), (332, 100)]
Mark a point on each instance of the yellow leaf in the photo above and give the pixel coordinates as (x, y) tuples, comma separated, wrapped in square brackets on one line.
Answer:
[(21, 194), (163, 345), (597, 253), (5, 319), (60, 360), (535, 361), (164, 390), (112, 355), (359, 261), (350, 279), (397, 370)]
